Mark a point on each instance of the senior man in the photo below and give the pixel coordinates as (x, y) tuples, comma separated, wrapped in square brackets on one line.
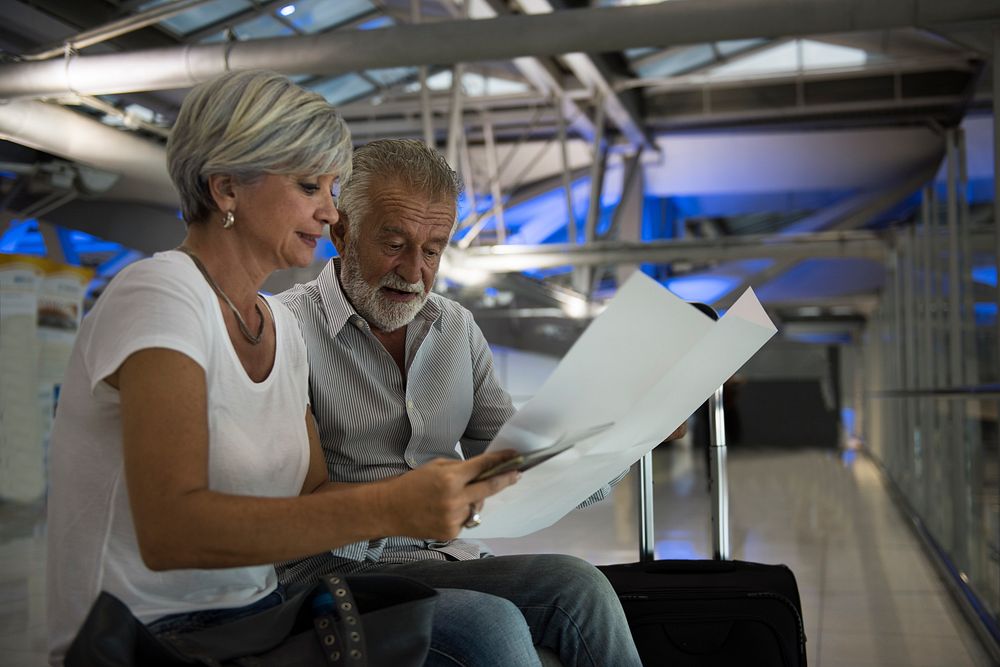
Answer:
[(400, 376)]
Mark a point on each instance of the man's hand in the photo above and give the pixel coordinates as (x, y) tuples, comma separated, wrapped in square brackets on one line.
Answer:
[(436, 499)]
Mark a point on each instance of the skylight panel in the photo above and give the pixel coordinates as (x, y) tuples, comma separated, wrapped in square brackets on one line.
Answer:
[(318, 15), (474, 85), (343, 88), (780, 58), (791, 56), (633, 54), (198, 17), (816, 55), (732, 46), (262, 27), (677, 62), (392, 75), (497, 86)]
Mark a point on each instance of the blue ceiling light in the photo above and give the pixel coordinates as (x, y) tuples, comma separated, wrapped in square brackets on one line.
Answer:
[(22, 238), (287, 10), (986, 275), (985, 313)]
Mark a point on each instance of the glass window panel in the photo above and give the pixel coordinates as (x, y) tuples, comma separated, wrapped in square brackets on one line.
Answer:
[(817, 55), (632, 54), (262, 27), (780, 58), (786, 58), (736, 45), (495, 86), (212, 39), (317, 15), (474, 85), (200, 16), (343, 88), (676, 62), (388, 77), (439, 81)]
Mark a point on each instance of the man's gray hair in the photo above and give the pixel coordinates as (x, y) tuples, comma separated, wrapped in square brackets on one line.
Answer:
[(248, 124), (404, 162)]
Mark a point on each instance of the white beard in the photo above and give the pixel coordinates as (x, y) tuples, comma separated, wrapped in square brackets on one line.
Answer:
[(368, 300)]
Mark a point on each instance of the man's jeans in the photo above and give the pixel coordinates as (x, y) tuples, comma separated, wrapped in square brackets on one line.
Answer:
[(567, 604), (491, 611)]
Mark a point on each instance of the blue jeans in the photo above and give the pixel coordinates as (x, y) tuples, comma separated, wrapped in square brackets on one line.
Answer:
[(473, 629), (566, 604)]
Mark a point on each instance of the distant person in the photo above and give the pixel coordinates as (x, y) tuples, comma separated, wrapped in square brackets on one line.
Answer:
[(184, 457)]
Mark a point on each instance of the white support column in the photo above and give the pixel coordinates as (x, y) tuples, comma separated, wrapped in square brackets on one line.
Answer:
[(426, 121), (596, 176), (468, 178), (454, 116), (491, 167), (566, 179), (455, 126), (582, 276)]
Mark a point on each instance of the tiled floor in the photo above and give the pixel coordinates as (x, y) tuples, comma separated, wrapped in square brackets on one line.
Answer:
[(869, 596)]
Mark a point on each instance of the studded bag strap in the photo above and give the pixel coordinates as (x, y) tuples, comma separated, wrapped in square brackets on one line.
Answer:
[(338, 625)]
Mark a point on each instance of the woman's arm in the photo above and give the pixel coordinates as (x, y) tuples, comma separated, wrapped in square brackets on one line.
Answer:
[(180, 523)]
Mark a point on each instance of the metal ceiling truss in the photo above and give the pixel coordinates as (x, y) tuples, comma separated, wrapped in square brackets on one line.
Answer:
[(486, 30), (501, 38)]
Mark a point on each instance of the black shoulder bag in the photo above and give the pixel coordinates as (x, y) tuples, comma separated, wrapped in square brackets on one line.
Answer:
[(366, 620)]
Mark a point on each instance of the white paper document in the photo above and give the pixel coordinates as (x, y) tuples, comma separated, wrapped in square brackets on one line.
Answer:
[(639, 370)]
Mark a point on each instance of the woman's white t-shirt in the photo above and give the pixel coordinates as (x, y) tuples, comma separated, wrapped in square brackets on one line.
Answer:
[(258, 446)]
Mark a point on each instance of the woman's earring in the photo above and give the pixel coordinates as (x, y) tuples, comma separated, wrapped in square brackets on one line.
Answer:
[(229, 220)]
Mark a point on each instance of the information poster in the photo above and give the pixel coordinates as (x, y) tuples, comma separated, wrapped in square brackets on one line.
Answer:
[(40, 311)]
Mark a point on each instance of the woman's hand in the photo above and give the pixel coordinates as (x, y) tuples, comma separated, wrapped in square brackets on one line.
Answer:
[(435, 500)]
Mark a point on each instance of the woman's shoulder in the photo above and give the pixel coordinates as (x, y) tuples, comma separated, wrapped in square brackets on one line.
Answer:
[(168, 263), (168, 270)]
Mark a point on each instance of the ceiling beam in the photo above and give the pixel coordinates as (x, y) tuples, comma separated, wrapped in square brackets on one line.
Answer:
[(58, 131), (505, 37), (504, 259)]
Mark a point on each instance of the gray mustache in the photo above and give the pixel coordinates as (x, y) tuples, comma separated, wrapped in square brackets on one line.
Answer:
[(395, 282)]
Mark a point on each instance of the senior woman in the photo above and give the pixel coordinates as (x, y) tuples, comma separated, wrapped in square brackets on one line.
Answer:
[(184, 457)]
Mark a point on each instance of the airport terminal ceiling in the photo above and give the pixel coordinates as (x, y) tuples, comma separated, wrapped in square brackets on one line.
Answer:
[(735, 142)]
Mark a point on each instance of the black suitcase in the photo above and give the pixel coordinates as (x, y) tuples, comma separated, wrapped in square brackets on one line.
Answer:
[(688, 613)]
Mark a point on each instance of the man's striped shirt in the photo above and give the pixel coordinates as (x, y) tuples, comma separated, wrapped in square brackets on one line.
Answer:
[(374, 423)]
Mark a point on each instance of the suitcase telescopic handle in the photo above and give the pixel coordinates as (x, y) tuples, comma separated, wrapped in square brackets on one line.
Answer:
[(718, 480)]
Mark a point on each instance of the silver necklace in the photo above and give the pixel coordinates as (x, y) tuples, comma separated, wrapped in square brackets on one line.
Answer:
[(244, 329)]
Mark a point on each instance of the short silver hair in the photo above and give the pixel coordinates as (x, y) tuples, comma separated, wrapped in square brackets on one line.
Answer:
[(248, 124), (408, 163)]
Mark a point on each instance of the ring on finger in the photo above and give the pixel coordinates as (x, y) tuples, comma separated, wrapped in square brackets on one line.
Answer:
[(474, 518)]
